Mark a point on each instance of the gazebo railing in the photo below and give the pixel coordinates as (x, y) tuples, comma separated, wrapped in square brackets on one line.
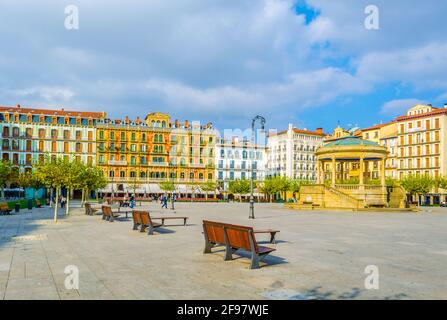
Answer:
[(347, 186)]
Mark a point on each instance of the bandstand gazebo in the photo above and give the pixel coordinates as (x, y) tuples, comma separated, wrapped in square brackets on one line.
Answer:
[(350, 174)]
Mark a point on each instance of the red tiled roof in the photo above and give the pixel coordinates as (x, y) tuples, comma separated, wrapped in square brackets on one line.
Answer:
[(310, 132), (378, 126), (434, 112), (52, 112)]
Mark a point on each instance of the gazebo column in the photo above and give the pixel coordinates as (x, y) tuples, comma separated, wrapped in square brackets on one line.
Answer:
[(333, 172), (382, 173), (362, 165), (318, 171)]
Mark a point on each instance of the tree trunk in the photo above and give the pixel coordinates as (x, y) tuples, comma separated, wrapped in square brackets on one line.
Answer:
[(82, 198), (240, 198), (56, 204), (206, 195), (68, 202), (3, 193)]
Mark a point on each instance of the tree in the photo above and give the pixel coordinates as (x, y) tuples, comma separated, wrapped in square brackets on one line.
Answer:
[(282, 185), (52, 175), (74, 171), (417, 184), (91, 178), (29, 179), (268, 187), (440, 182), (239, 187), (208, 186), (167, 186), (6, 175)]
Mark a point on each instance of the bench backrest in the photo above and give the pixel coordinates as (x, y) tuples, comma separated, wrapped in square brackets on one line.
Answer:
[(237, 236), (145, 218), (214, 231), (4, 206), (106, 210), (136, 215)]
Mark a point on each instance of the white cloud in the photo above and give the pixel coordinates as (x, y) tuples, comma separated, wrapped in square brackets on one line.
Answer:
[(399, 107), (424, 67)]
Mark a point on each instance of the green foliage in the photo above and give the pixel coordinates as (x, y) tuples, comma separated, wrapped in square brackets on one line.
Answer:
[(390, 182), (239, 187), (440, 182), (167, 186), (417, 184), (6, 173), (209, 186)]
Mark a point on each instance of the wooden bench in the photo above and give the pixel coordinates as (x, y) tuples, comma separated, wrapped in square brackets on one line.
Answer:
[(136, 219), (89, 209), (144, 220), (171, 218), (4, 208), (38, 204), (271, 231), (108, 214), (234, 237)]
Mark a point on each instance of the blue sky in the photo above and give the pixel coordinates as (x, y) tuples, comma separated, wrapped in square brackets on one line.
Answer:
[(311, 63)]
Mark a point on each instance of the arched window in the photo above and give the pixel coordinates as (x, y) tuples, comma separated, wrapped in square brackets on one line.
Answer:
[(163, 124)]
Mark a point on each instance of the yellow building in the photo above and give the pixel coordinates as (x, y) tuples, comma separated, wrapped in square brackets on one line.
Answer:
[(385, 135), (140, 154), (421, 141)]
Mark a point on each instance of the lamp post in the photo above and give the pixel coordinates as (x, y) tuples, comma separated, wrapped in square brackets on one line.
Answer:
[(252, 199), (172, 190)]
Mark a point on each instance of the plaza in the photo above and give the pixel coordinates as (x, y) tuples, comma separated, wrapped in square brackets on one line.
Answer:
[(319, 255)]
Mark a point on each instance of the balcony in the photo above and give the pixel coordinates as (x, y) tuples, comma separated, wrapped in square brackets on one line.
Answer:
[(116, 163)]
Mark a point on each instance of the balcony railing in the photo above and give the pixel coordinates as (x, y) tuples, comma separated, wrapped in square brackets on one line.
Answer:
[(116, 163)]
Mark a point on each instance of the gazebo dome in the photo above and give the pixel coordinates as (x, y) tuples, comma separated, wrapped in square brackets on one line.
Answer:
[(351, 141)]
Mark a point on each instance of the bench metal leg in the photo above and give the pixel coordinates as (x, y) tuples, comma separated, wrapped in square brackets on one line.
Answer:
[(272, 237), (150, 231), (208, 247), (228, 253), (184, 222), (254, 261)]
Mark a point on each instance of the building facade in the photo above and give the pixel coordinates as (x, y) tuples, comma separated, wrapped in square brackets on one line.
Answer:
[(385, 135), (138, 155), (29, 135), (235, 159), (421, 141), (291, 153)]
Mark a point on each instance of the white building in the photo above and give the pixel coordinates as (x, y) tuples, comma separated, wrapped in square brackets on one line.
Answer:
[(291, 153), (235, 158)]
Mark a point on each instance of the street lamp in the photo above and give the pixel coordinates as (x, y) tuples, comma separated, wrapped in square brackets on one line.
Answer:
[(172, 190), (252, 199)]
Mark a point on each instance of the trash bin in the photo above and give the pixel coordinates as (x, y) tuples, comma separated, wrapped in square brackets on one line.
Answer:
[(17, 207), (30, 204)]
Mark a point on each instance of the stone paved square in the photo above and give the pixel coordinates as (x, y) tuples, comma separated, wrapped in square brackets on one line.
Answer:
[(320, 255)]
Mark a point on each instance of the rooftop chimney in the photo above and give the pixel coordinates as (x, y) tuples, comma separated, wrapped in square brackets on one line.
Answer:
[(186, 124), (126, 121), (320, 130), (18, 106), (445, 105), (176, 123)]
